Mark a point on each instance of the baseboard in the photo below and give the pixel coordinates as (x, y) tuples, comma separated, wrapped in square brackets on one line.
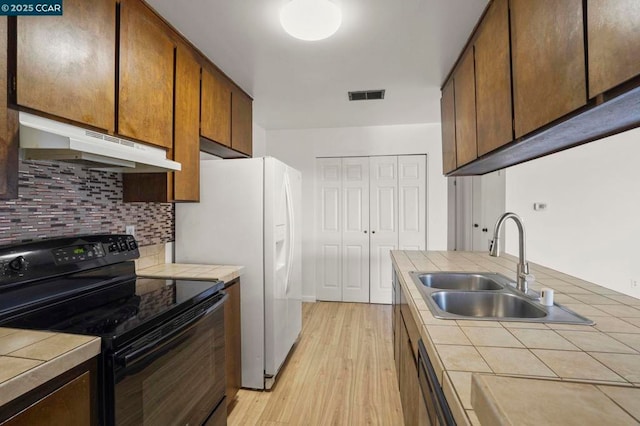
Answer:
[(309, 299)]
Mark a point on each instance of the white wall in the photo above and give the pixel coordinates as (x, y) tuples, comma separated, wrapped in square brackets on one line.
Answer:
[(259, 143), (299, 149), (591, 228)]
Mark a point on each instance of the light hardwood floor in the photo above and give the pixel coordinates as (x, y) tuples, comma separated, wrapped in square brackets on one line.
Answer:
[(340, 373)]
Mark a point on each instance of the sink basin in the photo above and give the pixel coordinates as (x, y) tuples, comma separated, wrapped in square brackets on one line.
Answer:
[(486, 305), (460, 281), (485, 296)]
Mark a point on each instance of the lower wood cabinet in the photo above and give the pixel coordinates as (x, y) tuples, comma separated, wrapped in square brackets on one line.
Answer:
[(69, 400), (405, 343), (233, 342)]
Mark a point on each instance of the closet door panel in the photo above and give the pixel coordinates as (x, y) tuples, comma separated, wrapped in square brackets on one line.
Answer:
[(412, 202), (355, 236), (329, 263), (384, 224)]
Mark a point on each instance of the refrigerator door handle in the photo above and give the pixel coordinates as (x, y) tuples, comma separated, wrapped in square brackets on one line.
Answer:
[(289, 198)]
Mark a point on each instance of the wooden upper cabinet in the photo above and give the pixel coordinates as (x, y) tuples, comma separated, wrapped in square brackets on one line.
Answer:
[(493, 79), (241, 122), (65, 64), (465, 105), (8, 127), (549, 76), (215, 120), (187, 126), (185, 184), (147, 51), (613, 30), (448, 118)]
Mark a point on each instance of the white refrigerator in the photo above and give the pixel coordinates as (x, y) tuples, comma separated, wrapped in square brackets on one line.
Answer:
[(249, 214)]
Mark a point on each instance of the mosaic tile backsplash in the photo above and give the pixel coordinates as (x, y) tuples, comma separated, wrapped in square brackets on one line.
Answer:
[(61, 199)]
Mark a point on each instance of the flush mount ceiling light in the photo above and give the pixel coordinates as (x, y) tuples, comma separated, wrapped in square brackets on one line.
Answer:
[(310, 20)]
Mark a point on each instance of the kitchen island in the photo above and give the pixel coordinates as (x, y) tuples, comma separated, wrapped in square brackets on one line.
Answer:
[(607, 353)]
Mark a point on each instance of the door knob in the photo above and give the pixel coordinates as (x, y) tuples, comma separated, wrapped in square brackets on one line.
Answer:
[(373, 232), (365, 231), (475, 225), (485, 230)]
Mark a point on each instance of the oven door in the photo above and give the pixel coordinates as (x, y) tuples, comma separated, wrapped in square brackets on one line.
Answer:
[(176, 374)]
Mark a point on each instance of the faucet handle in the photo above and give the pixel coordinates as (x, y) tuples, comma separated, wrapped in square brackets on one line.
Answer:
[(529, 278)]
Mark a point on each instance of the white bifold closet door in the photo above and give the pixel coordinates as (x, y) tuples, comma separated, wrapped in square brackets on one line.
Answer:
[(367, 206), (355, 230), (383, 212)]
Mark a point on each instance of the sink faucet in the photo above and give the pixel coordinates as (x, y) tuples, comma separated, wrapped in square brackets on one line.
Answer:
[(523, 278)]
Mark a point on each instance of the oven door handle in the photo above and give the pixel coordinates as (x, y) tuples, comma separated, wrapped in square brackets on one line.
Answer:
[(158, 347)]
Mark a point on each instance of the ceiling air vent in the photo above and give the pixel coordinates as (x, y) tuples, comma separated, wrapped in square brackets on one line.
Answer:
[(366, 95)]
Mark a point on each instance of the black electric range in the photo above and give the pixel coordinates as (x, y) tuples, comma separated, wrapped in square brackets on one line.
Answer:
[(87, 285)]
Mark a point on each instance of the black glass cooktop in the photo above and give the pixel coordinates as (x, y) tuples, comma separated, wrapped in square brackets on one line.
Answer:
[(88, 285), (118, 312)]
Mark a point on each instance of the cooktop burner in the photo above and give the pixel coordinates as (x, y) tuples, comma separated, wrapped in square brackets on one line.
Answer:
[(97, 295)]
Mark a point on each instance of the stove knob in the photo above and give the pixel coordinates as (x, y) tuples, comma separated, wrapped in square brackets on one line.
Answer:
[(18, 264), (123, 246), (133, 245), (113, 247)]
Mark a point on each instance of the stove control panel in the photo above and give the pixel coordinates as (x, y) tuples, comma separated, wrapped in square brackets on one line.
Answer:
[(30, 261), (77, 253), (121, 244)]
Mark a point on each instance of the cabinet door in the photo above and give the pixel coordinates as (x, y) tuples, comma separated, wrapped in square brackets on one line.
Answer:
[(65, 64), (145, 103), (448, 118), (493, 79), (409, 385), (396, 323), (215, 101), (8, 127), (465, 105), (233, 342), (613, 31), (186, 148), (69, 405), (549, 77), (241, 122)]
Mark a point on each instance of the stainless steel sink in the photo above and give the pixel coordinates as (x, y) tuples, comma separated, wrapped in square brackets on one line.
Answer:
[(461, 281), (486, 304), (486, 296)]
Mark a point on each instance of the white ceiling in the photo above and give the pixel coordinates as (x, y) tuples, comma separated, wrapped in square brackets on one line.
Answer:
[(404, 46)]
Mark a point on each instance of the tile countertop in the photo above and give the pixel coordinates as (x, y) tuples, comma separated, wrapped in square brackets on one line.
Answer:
[(188, 271), (31, 358), (607, 353)]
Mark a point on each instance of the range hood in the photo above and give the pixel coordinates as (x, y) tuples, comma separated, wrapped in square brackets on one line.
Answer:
[(44, 139)]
